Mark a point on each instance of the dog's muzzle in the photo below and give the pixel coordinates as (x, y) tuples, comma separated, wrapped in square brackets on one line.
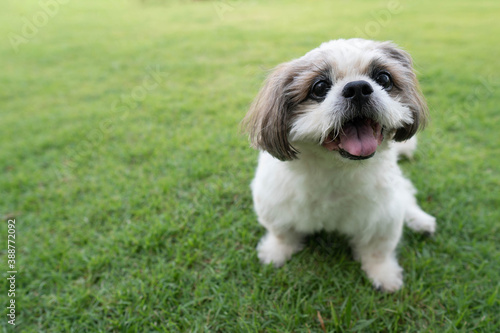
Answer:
[(360, 135)]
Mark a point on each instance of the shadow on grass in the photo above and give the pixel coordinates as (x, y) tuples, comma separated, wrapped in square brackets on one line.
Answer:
[(328, 247), (327, 262)]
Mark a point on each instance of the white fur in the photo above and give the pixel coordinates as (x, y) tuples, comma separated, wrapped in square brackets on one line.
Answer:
[(406, 148), (367, 200)]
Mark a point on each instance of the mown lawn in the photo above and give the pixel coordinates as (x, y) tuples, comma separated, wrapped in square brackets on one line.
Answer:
[(124, 168)]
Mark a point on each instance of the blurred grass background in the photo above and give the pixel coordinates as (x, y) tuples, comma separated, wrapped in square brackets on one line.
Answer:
[(124, 168)]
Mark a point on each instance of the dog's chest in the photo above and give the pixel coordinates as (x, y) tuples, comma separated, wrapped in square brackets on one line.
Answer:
[(332, 203), (310, 198)]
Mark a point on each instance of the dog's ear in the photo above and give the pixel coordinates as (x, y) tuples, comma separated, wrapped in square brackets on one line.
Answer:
[(267, 121), (411, 95)]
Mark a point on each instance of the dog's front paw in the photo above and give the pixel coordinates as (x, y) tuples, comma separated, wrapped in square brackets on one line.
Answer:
[(420, 221), (272, 250), (386, 276)]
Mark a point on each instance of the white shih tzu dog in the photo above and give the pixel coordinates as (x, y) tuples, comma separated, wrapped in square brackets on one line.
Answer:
[(331, 125)]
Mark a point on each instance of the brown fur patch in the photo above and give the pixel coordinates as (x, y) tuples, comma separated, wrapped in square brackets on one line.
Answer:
[(407, 87), (272, 111)]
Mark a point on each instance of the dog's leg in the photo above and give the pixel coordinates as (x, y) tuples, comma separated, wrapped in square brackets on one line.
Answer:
[(418, 220), (378, 260), (406, 148), (415, 218), (278, 247)]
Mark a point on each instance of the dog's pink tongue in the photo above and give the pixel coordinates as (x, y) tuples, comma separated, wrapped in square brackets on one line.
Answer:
[(357, 138)]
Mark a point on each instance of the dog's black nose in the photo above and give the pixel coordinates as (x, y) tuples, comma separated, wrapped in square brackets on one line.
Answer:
[(357, 91)]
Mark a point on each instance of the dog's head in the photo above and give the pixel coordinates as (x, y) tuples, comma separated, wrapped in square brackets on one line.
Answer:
[(346, 96)]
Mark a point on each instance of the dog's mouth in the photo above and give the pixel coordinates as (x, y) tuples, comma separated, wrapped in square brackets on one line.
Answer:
[(358, 139)]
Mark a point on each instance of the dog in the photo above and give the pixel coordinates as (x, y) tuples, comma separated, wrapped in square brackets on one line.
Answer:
[(330, 127)]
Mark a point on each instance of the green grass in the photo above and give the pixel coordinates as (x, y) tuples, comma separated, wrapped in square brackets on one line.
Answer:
[(132, 205)]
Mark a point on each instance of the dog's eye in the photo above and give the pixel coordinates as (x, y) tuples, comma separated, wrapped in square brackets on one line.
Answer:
[(319, 90), (385, 80)]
